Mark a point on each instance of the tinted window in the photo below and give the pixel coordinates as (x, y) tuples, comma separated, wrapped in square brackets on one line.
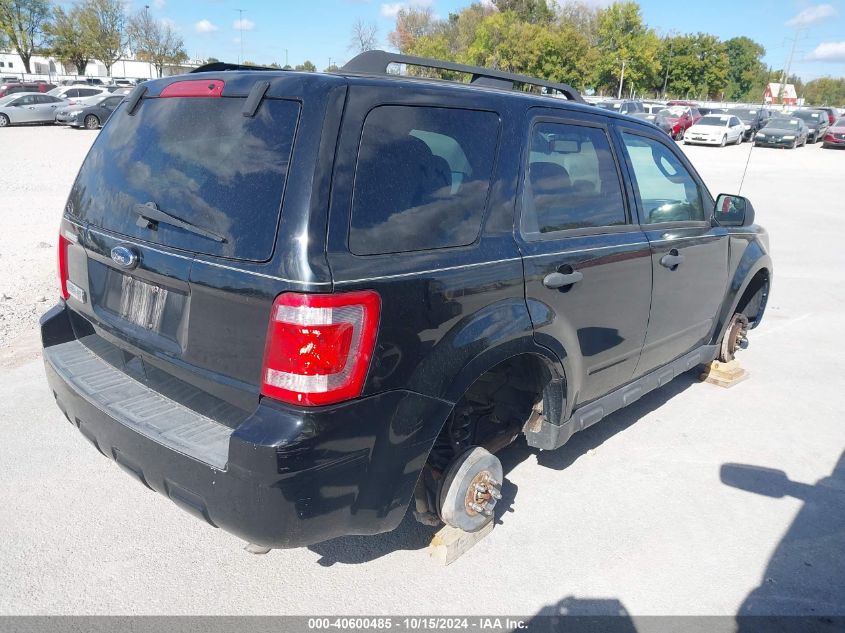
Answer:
[(111, 102), (422, 178), (200, 160), (667, 191), (572, 180), (88, 92)]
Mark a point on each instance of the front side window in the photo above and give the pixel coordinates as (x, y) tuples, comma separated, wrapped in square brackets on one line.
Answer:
[(667, 191), (422, 178), (572, 180)]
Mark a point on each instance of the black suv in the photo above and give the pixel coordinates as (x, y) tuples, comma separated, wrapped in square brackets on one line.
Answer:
[(816, 122), (295, 303)]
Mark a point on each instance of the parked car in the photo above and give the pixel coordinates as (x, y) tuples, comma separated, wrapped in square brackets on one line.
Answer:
[(622, 106), (835, 136), (28, 107), (296, 309), (816, 122), (706, 111), (715, 129), (76, 92), (681, 118), (653, 107), (788, 132), (657, 119), (26, 86), (754, 119), (90, 115)]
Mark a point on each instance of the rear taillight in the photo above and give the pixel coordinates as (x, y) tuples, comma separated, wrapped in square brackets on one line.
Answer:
[(319, 346), (194, 88), (62, 257)]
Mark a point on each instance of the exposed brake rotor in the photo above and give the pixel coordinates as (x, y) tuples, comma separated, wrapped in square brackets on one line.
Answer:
[(470, 490), (735, 338)]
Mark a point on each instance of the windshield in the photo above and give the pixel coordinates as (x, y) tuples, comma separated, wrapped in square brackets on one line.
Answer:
[(674, 111), (199, 160), (745, 115), (712, 120), (812, 117), (5, 100), (609, 105), (784, 124)]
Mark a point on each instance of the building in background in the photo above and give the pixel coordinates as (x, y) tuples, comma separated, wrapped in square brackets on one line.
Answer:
[(49, 68), (781, 93)]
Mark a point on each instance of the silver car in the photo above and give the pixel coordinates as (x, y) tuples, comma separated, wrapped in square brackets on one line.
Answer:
[(29, 107)]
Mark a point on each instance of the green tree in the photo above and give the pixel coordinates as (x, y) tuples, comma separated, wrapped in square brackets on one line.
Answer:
[(531, 11), (824, 91), (623, 39), (411, 23), (212, 60), (155, 42), (307, 66), (24, 23), (746, 72), (104, 22), (698, 66), (69, 41)]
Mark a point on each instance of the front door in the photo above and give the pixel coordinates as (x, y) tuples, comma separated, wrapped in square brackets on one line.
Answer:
[(587, 265), (689, 253)]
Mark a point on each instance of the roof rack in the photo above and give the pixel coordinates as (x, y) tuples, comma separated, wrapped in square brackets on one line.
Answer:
[(216, 67), (376, 62)]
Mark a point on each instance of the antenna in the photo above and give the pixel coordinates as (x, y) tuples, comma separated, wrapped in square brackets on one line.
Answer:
[(241, 28)]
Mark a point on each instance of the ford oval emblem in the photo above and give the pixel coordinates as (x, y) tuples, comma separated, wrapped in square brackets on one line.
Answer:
[(124, 256)]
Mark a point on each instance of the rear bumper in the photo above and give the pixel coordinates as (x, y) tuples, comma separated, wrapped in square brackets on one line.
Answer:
[(285, 477)]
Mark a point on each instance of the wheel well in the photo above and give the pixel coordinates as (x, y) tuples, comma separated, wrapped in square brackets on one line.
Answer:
[(494, 409), (753, 300)]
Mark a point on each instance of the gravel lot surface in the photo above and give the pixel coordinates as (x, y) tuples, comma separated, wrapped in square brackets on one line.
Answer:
[(39, 165), (636, 513)]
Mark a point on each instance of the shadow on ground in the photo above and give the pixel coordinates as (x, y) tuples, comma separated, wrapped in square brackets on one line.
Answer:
[(410, 535), (806, 573)]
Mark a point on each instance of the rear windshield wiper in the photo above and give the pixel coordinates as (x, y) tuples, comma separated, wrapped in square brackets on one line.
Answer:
[(149, 214)]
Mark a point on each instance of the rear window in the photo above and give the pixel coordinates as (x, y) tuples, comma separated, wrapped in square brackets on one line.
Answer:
[(422, 178), (199, 160)]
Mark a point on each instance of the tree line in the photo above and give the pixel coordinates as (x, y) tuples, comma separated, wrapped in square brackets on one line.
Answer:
[(610, 51), (87, 30)]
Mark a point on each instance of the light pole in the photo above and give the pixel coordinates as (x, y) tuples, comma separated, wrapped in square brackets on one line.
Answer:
[(621, 79)]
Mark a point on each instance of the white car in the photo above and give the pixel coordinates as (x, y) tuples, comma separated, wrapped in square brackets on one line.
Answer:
[(715, 129), (77, 91)]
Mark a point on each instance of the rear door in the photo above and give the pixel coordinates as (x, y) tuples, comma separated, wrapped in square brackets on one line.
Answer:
[(689, 255), (587, 265)]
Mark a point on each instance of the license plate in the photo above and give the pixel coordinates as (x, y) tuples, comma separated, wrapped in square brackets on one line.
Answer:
[(142, 303)]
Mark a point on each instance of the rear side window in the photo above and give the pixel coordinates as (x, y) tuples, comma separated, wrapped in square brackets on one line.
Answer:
[(572, 180), (422, 178), (198, 159)]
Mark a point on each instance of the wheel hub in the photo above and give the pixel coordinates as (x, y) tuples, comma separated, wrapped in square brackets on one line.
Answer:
[(470, 490)]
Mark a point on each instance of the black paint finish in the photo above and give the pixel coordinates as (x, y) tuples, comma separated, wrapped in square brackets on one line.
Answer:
[(297, 476)]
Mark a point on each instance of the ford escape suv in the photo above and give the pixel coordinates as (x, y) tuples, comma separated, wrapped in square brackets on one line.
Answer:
[(298, 304)]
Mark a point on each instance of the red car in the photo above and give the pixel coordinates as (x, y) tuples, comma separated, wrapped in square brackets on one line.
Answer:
[(680, 117), (835, 136), (27, 86)]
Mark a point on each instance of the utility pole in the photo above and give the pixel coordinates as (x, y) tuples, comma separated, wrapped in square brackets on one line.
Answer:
[(785, 76), (286, 58), (621, 79), (241, 28)]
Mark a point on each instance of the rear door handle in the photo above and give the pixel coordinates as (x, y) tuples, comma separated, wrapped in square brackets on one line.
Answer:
[(672, 260), (560, 280)]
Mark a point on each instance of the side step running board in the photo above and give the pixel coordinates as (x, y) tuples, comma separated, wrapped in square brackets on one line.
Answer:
[(551, 436)]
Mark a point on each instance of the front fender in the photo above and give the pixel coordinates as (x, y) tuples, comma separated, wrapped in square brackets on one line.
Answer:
[(754, 258)]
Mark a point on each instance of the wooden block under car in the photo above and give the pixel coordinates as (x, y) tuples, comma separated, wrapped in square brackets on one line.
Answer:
[(724, 374), (450, 543)]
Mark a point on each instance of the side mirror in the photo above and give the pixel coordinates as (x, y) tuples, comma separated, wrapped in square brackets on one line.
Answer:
[(733, 210)]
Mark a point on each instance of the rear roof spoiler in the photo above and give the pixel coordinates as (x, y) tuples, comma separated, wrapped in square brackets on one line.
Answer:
[(216, 67)]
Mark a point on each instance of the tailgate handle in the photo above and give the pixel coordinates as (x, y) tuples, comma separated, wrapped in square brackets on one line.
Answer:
[(254, 99)]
